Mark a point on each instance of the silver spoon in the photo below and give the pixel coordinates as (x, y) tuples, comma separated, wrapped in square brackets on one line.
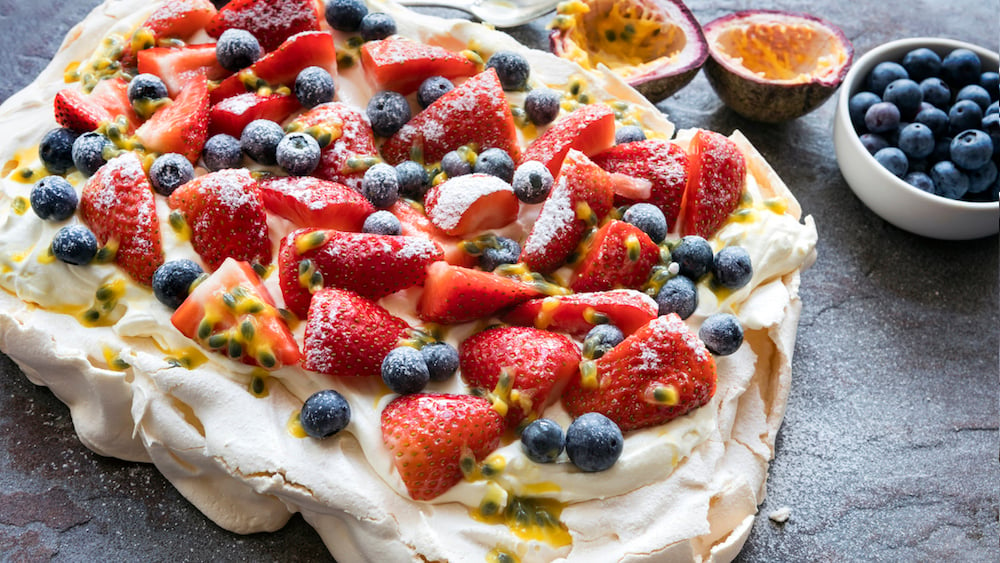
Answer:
[(501, 13)]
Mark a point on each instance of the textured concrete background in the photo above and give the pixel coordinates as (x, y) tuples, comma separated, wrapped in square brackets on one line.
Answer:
[(889, 447)]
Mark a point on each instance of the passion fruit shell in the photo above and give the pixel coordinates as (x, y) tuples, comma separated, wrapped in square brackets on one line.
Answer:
[(773, 66), (656, 46)]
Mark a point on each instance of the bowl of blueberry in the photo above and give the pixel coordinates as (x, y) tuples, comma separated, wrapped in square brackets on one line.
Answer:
[(917, 136)]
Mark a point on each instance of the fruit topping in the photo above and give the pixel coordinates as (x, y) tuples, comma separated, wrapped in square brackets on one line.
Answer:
[(590, 130), (541, 105), (324, 414), (715, 183), (657, 46), (222, 151), (88, 152), (453, 294), (414, 180), (512, 69), (618, 255), (441, 359), (298, 154), (314, 86), (649, 219), (629, 134), (382, 222), (404, 370), (345, 15), (577, 314), (181, 126), (56, 149), (312, 202), (774, 66), (722, 334), (543, 440), (600, 339), (376, 25), (664, 165), (233, 115), (693, 255), (86, 112), (677, 295), (431, 89), (270, 21), (173, 280), (388, 111), (431, 437), (402, 65), (497, 251), (237, 49), (74, 244), (231, 312), (495, 162), (380, 185), (731, 267), (594, 442), (471, 203), (176, 66), (352, 142), (532, 182), (260, 137), (169, 172), (53, 199)]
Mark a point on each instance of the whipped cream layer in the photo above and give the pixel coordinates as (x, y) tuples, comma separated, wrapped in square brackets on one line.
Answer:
[(224, 434)]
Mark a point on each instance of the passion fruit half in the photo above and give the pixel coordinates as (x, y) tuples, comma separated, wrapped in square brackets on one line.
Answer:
[(773, 66), (656, 46)]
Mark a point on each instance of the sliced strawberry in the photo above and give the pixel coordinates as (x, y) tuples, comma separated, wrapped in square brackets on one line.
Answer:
[(226, 215), (400, 64), (311, 202), (429, 435), (231, 115), (270, 21), (177, 66), (181, 126), (475, 113), (347, 334), (539, 364), (231, 312), (180, 19), (581, 196), (471, 203), (576, 314), (657, 374), (282, 66), (589, 129), (86, 112), (618, 256), (353, 142), (663, 164), (453, 294), (371, 265), (415, 223), (715, 184), (117, 204)]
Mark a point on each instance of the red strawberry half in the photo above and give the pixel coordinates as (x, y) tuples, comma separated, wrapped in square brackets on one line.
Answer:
[(283, 65), (86, 112), (471, 203), (715, 185), (539, 364), (619, 255), (270, 21), (347, 334), (663, 164), (400, 64), (177, 66), (590, 130), (226, 215), (311, 202), (576, 314), (352, 143), (117, 204), (180, 18), (428, 436), (657, 374), (231, 115), (371, 265), (416, 224), (453, 294), (181, 126)]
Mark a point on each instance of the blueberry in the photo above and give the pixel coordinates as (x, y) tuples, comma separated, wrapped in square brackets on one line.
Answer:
[(976, 93), (873, 142), (722, 334), (678, 295), (388, 111), (594, 442), (172, 281), (433, 88), (990, 81), (380, 185), (629, 134), (298, 154), (992, 108), (905, 95), (345, 15), (74, 244), (325, 413), (857, 106), (971, 149), (982, 178), (543, 440), (88, 152), (936, 92), (732, 268), (882, 117), (314, 86), (991, 125), (920, 180), (505, 251), (237, 49), (884, 73), (146, 86), (414, 181), (541, 105), (935, 119), (222, 151), (260, 139), (454, 163), (377, 25), (56, 150), (382, 223), (532, 182), (495, 162), (922, 63), (442, 360), (404, 370), (693, 255), (649, 219), (916, 140), (894, 160), (949, 180), (601, 339), (512, 69), (961, 67), (53, 198), (169, 172)]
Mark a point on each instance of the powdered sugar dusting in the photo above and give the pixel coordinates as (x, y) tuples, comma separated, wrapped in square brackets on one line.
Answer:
[(456, 195), (556, 217)]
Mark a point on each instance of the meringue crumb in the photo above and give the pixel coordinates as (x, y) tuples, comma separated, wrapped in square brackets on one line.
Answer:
[(780, 515)]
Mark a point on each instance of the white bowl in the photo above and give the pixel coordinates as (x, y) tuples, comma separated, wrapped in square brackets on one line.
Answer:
[(897, 202)]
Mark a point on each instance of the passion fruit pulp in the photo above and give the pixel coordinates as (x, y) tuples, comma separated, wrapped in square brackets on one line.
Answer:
[(773, 66), (656, 46)]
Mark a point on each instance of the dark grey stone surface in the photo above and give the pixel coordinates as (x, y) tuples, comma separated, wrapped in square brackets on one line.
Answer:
[(890, 443)]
